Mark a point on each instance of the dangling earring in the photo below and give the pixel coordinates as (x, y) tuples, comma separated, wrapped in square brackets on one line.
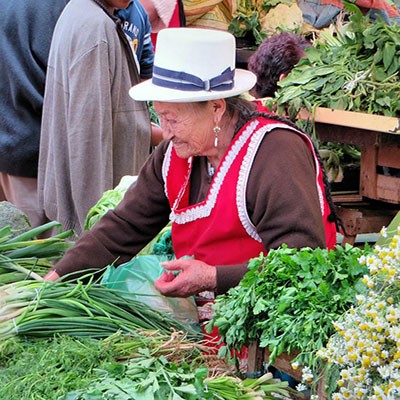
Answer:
[(216, 130)]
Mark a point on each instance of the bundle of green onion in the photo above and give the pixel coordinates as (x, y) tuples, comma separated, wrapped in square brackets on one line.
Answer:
[(27, 257), (42, 309)]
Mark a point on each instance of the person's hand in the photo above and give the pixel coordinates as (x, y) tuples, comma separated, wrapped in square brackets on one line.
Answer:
[(51, 276), (194, 277)]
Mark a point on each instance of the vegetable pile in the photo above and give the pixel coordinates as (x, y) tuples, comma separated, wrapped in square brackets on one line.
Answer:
[(41, 309), (109, 200), (155, 377), (288, 300), (260, 19), (47, 368), (356, 68), (26, 257), (140, 365), (80, 340)]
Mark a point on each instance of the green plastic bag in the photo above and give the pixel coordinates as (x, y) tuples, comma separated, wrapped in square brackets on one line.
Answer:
[(135, 280)]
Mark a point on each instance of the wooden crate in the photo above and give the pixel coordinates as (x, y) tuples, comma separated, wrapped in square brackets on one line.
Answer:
[(258, 358), (379, 140), (361, 218), (376, 163), (368, 122)]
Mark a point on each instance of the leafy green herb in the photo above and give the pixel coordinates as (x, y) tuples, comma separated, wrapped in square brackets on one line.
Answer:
[(48, 368), (288, 300), (152, 378), (356, 68)]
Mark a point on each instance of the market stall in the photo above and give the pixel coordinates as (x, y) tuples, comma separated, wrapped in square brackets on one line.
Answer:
[(345, 92), (110, 335), (341, 100), (376, 200)]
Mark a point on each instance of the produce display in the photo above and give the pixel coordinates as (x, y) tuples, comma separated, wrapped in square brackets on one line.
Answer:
[(141, 365), (288, 301), (255, 20), (83, 340), (355, 68), (335, 311), (26, 257), (365, 346), (260, 19)]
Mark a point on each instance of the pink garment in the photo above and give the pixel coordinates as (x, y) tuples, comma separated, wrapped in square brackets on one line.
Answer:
[(167, 20), (368, 4)]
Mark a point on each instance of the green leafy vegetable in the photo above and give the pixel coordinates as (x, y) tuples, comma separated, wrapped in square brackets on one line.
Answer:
[(356, 68), (45, 369), (288, 300), (26, 257), (42, 309), (108, 201)]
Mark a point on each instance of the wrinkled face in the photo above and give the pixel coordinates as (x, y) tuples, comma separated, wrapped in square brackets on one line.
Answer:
[(189, 126)]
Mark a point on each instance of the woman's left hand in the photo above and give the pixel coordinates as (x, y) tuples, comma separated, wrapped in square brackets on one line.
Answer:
[(194, 277)]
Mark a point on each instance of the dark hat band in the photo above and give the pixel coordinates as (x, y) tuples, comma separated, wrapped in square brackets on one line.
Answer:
[(183, 81)]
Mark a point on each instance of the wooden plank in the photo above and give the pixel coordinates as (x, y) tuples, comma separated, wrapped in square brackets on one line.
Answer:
[(283, 364), (372, 122), (368, 171), (337, 133), (388, 189), (255, 362), (389, 155), (352, 197), (363, 220)]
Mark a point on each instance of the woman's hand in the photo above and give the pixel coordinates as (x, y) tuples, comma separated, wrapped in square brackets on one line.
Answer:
[(194, 277), (51, 276)]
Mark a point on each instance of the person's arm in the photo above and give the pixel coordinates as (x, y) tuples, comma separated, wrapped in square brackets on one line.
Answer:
[(282, 195), (146, 60), (151, 10), (121, 233), (156, 134)]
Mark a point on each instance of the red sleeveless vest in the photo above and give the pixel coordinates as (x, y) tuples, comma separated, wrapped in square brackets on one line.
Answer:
[(218, 230)]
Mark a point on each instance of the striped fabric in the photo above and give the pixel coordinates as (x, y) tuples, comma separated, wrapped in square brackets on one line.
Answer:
[(212, 14)]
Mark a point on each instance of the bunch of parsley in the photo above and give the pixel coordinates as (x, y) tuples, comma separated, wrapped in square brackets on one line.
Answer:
[(288, 301)]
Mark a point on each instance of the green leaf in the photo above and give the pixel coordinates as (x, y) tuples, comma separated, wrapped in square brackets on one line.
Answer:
[(389, 51), (260, 306), (188, 388)]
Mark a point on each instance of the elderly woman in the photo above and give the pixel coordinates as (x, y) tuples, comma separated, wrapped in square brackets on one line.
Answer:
[(234, 182)]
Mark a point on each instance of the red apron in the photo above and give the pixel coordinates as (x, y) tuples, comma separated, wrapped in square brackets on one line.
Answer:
[(218, 230)]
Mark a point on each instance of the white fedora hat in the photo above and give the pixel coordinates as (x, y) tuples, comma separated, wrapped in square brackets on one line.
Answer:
[(194, 64)]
